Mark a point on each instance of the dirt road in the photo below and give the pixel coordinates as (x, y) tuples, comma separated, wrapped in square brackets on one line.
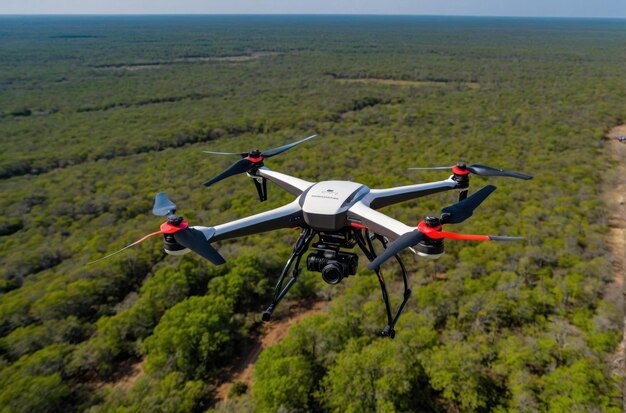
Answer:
[(273, 332), (615, 197)]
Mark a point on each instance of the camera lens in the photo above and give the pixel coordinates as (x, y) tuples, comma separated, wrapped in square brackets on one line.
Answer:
[(316, 262), (333, 273)]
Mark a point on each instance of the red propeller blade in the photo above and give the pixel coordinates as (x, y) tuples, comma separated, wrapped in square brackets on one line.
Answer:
[(127, 247), (435, 233), (166, 228)]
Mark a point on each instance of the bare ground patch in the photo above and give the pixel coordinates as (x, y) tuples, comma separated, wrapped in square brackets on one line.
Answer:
[(273, 332), (615, 197), (125, 376), (137, 68), (410, 83), (234, 58), (134, 67)]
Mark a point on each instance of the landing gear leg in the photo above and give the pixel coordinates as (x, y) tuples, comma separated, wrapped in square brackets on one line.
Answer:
[(365, 243), (298, 251)]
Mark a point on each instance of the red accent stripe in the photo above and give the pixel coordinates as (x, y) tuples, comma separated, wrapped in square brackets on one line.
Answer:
[(462, 237), (255, 160), (167, 228), (458, 171), (146, 237), (126, 247), (436, 233), (355, 225)]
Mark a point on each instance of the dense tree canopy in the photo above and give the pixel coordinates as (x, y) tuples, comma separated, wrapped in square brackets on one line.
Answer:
[(97, 114)]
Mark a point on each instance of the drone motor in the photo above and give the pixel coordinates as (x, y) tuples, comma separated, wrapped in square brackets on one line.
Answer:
[(430, 247), (172, 247)]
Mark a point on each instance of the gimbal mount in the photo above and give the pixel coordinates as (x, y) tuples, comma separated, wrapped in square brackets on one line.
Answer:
[(331, 242)]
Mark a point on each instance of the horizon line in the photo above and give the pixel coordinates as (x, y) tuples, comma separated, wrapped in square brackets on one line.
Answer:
[(304, 14)]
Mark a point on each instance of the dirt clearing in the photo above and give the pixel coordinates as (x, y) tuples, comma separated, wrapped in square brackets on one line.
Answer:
[(412, 83), (134, 67), (615, 197), (273, 332)]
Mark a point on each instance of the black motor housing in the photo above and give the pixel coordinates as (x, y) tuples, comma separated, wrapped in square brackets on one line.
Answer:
[(333, 265), (432, 248), (172, 247)]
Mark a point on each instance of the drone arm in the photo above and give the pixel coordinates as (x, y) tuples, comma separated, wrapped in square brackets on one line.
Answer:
[(287, 216), (378, 198), (290, 184), (360, 214)]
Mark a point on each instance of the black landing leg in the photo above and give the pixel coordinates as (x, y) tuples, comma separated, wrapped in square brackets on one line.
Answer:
[(298, 251), (365, 243)]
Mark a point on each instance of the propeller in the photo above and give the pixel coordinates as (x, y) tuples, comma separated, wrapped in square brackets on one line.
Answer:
[(431, 227), (462, 210), (481, 170), (179, 229), (250, 160)]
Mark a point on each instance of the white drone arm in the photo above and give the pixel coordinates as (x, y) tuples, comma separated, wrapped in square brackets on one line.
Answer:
[(289, 183), (361, 214), (287, 216), (378, 198)]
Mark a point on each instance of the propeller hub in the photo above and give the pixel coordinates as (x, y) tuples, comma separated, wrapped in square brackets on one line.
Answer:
[(169, 228), (175, 220), (255, 156), (432, 222), (460, 169)]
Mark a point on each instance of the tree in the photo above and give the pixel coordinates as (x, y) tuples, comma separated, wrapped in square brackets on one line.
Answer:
[(193, 337), (284, 383)]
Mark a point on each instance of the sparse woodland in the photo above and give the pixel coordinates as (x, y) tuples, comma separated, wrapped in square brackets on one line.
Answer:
[(99, 114)]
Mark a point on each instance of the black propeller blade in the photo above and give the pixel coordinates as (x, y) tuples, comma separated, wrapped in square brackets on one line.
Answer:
[(462, 210), (484, 170), (281, 149), (196, 241), (250, 160), (476, 169), (404, 241), (431, 227), (239, 167), (242, 154)]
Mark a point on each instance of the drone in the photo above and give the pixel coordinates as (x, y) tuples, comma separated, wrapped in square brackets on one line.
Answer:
[(334, 217)]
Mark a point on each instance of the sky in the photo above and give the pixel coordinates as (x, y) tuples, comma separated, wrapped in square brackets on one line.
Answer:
[(531, 8)]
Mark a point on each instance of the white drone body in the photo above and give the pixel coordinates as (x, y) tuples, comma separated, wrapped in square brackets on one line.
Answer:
[(341, 214)]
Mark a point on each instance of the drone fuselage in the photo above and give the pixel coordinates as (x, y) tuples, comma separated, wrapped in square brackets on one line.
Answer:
[(325, 205), (328, 206)]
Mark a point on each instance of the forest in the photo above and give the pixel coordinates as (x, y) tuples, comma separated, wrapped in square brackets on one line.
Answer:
[(98, 114)]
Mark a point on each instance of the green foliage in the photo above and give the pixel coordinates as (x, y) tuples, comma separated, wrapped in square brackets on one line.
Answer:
[(579, 387), (385, 375), (118, 334), (238, 389), (287, 383), (35, 382), (90, 132), (194, 337), (456, 370), (171, 394), (36, 394), (29, 339), (247, 281)]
